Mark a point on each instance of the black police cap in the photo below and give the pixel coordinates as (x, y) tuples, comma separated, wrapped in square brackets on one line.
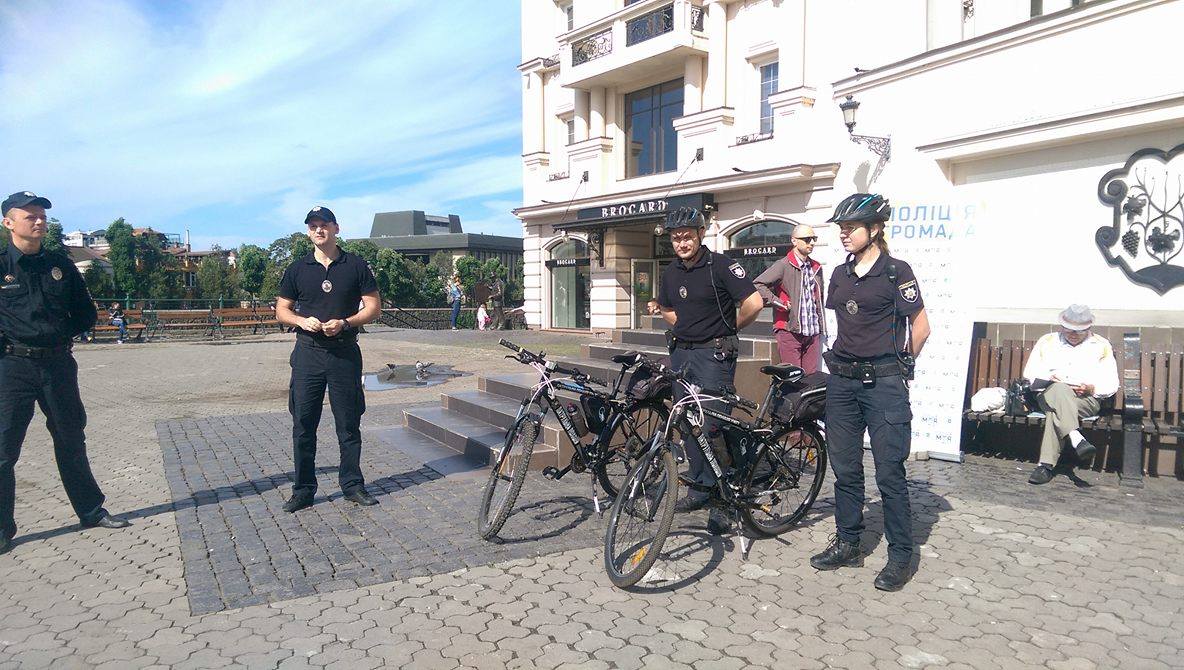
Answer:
[(24, 199), (323, 213)]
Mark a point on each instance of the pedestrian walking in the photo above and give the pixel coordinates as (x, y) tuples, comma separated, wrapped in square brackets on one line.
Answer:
[(329, 283), (882, 326), (454, 297), (793, 286), (44, 304), (497, 303), (706, 298)]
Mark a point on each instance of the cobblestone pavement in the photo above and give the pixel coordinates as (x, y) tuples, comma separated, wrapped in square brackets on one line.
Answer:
[(1070, 575)]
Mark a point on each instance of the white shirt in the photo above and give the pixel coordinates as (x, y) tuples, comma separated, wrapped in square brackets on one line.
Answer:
[(1091, 362)]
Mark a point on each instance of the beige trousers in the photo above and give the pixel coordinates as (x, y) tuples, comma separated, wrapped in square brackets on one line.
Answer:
[(1064, 411)]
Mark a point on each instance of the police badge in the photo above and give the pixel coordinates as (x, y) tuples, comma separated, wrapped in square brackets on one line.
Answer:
[(326, 286), (852, 307), (908, 291), (8, 279), (682, 292), (738, 270), (56, 273)]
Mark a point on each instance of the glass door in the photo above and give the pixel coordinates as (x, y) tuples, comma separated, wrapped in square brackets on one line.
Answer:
[(643, 280)]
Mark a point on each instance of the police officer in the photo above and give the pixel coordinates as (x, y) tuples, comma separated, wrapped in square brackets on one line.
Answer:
[(873, 295), (44, 304), (706, 299), (329, 284)]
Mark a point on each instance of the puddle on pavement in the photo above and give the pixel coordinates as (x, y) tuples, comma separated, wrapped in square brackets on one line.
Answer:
[(409, 376)]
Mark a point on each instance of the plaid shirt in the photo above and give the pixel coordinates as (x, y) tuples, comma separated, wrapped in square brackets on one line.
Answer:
[(809, 315)]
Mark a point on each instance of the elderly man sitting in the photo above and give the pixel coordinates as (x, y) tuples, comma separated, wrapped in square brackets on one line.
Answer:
[(1073, 370)]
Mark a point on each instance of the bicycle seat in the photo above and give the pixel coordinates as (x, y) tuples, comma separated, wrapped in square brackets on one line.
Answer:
[(627, 358), (785, 373)]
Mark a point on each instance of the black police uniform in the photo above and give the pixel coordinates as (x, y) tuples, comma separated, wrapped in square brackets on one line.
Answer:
[(867, 391), (44, 304), (319, 361), (704, 297)]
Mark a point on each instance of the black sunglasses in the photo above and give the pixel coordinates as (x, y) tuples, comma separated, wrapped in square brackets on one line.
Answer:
[(808, 240)]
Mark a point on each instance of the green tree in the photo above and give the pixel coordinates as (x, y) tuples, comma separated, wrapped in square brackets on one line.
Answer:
[(122, 255), (514, 285), (53, 237), (98, 281), (284, 250), (469, 269), (253, 263), (366, 249), (442, 261), (216, 277)]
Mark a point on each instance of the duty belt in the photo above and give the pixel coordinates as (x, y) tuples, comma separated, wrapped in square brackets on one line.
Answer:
[(14, 349), (713, 343), (861, 369)]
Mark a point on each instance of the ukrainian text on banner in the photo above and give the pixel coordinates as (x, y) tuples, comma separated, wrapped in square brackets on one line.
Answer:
[(936, 239)]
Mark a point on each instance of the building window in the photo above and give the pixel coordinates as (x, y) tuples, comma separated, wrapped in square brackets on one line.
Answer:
[(569, 11), (649, 126), (571, 282), (768, 88), (759, 245), (571, 131)]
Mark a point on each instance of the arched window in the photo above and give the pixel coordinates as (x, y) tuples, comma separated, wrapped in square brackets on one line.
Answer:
[(760, 244), (570, 248)]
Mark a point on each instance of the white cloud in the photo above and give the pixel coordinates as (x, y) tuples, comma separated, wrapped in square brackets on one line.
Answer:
[(115, 111)]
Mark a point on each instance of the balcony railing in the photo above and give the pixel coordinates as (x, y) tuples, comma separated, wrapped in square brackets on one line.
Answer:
[(592, 47), (648, 26), (696, 18)]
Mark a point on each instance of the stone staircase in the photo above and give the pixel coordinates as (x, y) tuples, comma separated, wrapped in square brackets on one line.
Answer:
[(467, 426)]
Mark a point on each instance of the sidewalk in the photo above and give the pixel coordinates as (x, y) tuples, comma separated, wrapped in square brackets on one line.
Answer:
[(191, 440)]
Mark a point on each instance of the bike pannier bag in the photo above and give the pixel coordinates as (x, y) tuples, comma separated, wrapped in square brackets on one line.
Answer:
[(803, 400), (596, 412)]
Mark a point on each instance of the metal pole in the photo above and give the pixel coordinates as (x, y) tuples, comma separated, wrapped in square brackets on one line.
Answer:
[(1132, 413)]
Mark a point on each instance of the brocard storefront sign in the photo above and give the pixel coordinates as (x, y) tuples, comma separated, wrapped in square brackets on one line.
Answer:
[(643, 209), (1146, 199)]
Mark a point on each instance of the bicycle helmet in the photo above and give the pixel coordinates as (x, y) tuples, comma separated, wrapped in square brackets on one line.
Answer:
[(685, 217), (862, 208)]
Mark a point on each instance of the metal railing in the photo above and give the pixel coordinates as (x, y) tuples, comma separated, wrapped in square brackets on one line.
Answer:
[(648, 26), (592, 47)]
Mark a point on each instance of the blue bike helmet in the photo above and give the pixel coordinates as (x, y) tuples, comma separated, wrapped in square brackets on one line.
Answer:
[(685, 217)]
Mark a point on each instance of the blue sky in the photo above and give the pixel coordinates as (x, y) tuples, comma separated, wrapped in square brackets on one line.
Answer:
[(234, 118)]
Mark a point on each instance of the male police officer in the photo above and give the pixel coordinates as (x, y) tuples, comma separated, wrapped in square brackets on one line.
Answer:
[(44, 304), (329, 284), (706, 299)]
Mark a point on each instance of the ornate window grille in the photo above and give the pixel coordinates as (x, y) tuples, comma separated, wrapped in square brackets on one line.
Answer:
[(697, 18), (592, 47)]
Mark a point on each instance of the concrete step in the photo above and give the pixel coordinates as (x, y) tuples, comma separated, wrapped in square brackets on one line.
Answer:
[(605, 352), (476, 440), (431, 453), (762, 327), (756, 346)]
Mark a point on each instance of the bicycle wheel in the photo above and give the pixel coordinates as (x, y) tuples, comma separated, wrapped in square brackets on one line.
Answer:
[(640, 519), (627, 443), (783, 481), (508, 472)]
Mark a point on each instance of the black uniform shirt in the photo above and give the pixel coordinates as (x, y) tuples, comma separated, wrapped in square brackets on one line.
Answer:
[(864, 307), (328, 293), (43, 300), (703, 295)]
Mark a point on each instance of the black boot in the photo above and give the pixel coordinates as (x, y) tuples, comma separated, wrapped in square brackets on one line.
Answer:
[(1041, 475), (839, 554), (297, 502), (1085, 452), (692, 501), (893, 577)]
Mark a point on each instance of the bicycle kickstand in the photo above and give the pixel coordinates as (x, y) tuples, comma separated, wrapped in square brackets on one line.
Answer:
[(745, 541), (596, 500)]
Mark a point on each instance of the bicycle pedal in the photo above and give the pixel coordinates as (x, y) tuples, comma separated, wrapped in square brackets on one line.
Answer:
[(551, 472)]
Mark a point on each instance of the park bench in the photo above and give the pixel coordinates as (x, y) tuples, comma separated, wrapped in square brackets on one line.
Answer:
[(1146, 412), (161, 321), (240, 317), (133, 320)]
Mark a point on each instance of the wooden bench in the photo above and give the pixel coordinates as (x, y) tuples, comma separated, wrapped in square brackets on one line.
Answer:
[(240, 317), (1149, 403), (164, 320), (133, 321)]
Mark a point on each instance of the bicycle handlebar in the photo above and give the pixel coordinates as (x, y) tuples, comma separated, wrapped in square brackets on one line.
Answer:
[(528, 356)]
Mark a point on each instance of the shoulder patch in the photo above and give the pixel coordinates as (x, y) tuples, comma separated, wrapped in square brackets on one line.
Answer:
[(909, 291), (738, 270)]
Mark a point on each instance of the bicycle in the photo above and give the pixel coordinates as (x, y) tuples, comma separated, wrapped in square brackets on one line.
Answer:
[(778, 463), (620, 421)]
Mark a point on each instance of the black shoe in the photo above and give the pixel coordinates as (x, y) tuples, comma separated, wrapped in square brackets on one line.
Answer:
[(297, 502), (360, 497), (107, 521), (839, 554), (718, 523), (893, 577), (1041, 475), (692, 501), (5, 545), (1085, 451)]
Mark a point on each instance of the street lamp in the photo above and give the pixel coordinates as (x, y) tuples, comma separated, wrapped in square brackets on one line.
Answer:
[(880, 146)]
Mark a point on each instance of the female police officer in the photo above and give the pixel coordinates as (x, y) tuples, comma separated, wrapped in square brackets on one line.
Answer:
[(873, 295)]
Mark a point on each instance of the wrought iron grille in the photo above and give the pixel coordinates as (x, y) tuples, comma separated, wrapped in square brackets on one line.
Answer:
[(696, 18), (648, 26), (592, 47)]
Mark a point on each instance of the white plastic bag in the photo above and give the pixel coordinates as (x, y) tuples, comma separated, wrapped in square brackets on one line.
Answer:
[(989, 399)]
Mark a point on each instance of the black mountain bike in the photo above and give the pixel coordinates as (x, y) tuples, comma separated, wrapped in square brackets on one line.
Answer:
[(772, 471), (621, 421)]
